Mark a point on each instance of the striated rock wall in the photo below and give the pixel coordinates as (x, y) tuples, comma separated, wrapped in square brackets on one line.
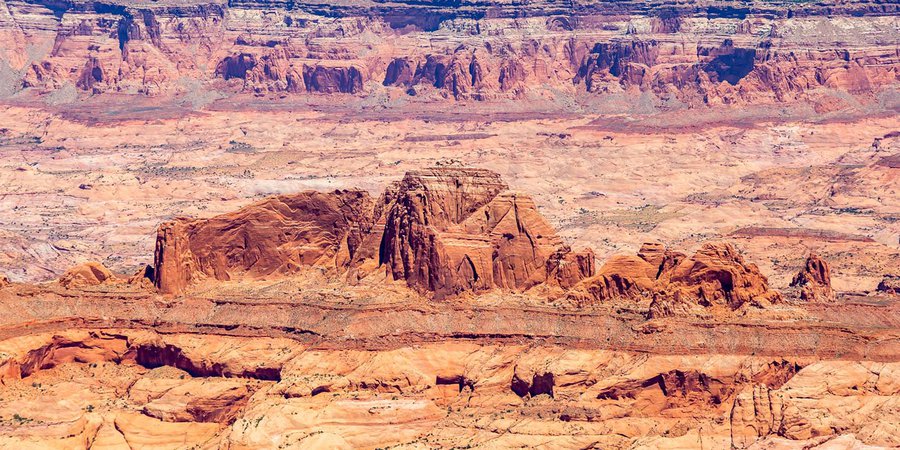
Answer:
[(276, 236), (712, 54)]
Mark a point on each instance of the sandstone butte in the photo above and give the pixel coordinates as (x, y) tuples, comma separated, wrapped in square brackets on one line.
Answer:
[(444, 232), (445, 313)]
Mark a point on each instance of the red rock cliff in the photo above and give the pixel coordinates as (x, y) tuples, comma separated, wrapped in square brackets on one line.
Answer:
[(274, 236), (454, 230)]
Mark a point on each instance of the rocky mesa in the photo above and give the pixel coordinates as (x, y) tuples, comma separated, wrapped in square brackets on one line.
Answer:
[(445, 232)]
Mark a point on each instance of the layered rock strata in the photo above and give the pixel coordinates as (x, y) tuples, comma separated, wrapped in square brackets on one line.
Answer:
[(273, 237), (676, 54)]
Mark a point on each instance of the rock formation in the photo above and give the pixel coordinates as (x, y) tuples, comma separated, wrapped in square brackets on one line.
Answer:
[(454, 230), (890, 284), (814, 280), (442, 231), (274, 236), (623, 277), (566, 267), (716, 54), (206, 391), (86, 275), (716, 275)]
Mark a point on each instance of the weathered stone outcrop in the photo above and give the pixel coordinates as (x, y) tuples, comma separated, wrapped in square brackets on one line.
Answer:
[(718, 274), (276, 71), (566, 267), (200, 401), (814, 280), (85, 275), (274, 236), (454, 230), (763, 52), (890, 284), (445, 231), (623, 277), (715, 275)]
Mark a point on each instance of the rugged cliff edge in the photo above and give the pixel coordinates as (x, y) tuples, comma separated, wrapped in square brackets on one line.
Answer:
[(675, 54)]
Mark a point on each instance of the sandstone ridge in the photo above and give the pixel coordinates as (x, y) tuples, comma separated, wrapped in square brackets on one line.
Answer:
[(444, 232), (272, 237)]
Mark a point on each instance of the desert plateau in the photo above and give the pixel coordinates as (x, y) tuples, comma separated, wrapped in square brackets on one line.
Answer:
[(435, 224)]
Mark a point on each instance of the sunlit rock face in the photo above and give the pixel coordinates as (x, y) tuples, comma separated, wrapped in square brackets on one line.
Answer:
[(712, 55)]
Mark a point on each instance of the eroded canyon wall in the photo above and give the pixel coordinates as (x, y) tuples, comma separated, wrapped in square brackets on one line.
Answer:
[(698, 53)]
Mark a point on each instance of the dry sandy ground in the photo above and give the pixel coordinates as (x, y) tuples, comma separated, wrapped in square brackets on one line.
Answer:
[(95, 183)]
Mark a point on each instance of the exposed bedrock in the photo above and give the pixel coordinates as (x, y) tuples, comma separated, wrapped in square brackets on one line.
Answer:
[(634, 399), (718, 54), (273, 237), (446, 232), (195, 356), (814, 280)]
